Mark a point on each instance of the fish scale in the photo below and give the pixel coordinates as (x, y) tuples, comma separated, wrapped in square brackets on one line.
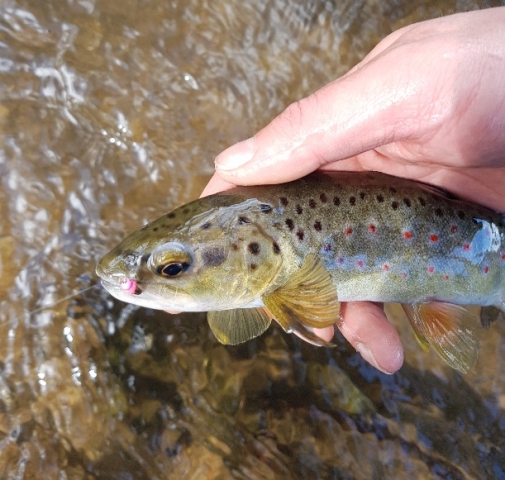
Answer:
[(293, 252), (403, 242)]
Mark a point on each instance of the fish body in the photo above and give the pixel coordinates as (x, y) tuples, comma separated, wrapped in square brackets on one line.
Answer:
[(302, 247)]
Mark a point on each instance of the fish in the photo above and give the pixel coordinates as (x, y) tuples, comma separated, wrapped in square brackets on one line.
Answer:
[(293, 252)]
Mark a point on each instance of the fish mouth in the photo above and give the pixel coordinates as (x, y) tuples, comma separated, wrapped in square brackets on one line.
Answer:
[(101, 272), (111, 287)]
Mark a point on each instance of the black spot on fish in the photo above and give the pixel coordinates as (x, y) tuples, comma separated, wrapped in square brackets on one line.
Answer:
[(352, 200), (461, 214), (422, 201), (155, 229), (336, 201), (439, 212), (171, 215), (299, 209), (243, 220), (380, 198), (290, 224), (394, 205), (362, 195), (323, 197), (206, 226), (265, 208), (276, 248), (253, 266), (284, 201), (317, 226), (254, 248), (392, 189), (213, 257), (407, 202), (185, 211), (234, 246), (312, 203), (300, 234)]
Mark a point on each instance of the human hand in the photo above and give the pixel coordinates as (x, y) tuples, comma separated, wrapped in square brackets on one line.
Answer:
[(427, 103)]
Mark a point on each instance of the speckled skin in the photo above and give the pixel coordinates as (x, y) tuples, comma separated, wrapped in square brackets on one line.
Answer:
[(381, 238), (392, 240)]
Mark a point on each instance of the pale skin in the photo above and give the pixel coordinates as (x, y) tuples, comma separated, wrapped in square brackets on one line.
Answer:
[(427, 103)]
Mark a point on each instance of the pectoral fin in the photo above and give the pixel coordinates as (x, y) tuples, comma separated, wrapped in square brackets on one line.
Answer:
[(232, 327), (307, 299), (449, 329)]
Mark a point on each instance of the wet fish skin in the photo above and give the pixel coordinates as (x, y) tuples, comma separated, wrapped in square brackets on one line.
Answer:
[(354, 236), (392, 240)]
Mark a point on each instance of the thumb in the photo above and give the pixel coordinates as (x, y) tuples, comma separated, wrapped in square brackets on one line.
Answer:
[(349, 116)]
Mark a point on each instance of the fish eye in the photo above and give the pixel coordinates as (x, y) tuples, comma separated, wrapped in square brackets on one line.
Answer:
[(172, 269), (170, 259)]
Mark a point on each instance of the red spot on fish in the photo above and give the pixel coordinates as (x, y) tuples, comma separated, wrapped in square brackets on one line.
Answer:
[(454, 229), (446, 277), (348, 231), (466, 246), (431, 269), (407, 235), (485, 269), (327, 247), (372, 228), (503, 256), (359, 263), (340, 260), (386, 267), (433, 238), (404, 275)]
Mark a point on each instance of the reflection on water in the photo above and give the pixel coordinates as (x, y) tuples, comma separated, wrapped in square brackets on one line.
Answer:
[(110, 114)]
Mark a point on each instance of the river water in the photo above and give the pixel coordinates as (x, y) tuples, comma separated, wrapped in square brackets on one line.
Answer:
[(111, 113)]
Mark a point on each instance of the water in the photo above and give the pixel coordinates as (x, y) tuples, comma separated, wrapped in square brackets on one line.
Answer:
[(111, 113)]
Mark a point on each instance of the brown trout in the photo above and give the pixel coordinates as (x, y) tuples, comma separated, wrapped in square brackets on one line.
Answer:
[(293, 252)]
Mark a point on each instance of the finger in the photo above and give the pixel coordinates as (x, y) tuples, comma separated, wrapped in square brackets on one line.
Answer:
[(326, 334), (349, 116), (366, 327), (216, 184)]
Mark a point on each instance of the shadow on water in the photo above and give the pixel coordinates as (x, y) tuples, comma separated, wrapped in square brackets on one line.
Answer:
[(110, 114)]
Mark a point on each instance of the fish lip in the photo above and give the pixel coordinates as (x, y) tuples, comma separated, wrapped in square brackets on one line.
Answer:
[(101, 271), (108, 285)]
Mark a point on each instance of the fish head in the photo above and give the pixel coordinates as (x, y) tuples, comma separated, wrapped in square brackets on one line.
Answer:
[(211, 254)]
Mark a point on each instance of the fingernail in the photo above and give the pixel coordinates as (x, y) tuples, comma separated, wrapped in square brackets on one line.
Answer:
[(367, 354), (236, 156)]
